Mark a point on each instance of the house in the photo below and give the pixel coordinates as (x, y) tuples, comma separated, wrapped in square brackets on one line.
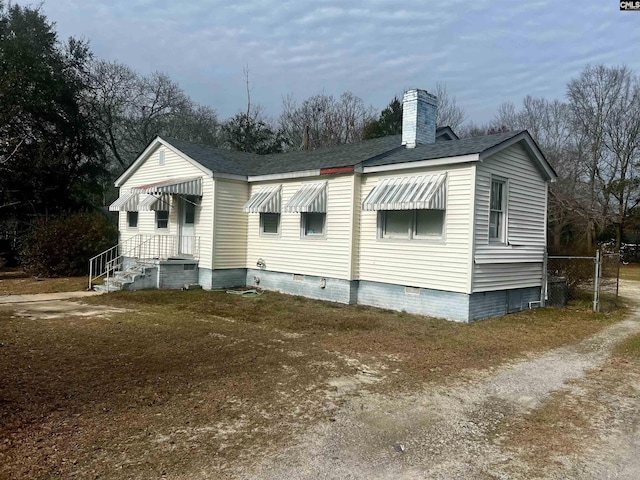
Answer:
[(424, 222)]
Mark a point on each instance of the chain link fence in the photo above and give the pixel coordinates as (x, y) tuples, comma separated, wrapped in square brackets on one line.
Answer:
[(583, 281)]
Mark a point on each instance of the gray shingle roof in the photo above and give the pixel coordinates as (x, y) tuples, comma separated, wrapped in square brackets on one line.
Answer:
[(451, 148), (215, 159), (341, 156), (376, 152)]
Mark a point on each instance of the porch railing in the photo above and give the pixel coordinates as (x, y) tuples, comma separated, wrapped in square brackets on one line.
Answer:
[(142, 248)]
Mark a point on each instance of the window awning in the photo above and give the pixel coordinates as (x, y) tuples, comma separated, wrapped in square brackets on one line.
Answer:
[(409, 193), (184, 186), (266, 200), (154, 202), (127, 202), (312, 197)]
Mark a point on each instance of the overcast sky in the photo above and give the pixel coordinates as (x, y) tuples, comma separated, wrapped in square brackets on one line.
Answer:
[(485, 51)]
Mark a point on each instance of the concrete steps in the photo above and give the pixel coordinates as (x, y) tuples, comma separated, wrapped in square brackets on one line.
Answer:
[(125, 279)]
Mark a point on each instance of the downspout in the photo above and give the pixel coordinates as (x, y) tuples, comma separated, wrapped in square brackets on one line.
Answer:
[(544, 294)]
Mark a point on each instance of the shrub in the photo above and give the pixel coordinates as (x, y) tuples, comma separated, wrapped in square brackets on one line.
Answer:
[(63, 246)]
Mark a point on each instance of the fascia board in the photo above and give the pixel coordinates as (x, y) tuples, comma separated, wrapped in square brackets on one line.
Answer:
[(436, 162)]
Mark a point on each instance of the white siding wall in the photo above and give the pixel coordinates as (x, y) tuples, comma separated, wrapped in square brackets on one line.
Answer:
[(230, 232), (518, 263), (356, 213), (174, 167), (441, 265), (288, 252)]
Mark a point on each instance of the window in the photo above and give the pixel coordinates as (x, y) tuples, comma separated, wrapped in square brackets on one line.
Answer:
[(411, 224), (162, 219), (496, 211), (270, 223), (397, 223), (132, 219), (190, 210), (313, 224), (161, 157), (429, 223)]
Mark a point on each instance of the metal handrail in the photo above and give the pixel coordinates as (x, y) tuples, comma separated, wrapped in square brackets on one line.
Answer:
[(141, 248), (98, 264)]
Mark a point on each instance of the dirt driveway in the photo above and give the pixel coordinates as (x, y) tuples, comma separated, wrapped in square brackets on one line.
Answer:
[(48, 306), (569, 413)]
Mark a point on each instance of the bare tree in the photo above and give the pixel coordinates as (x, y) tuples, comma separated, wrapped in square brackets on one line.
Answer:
[(449, 113), (129, 110), (622, 142), (605, 112), (251, 130), (328, 121), (112, 85)]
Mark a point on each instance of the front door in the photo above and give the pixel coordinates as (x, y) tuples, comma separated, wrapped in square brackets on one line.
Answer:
[(186, 235)]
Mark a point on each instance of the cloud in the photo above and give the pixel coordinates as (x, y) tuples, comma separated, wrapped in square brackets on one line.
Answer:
[(485, 51)]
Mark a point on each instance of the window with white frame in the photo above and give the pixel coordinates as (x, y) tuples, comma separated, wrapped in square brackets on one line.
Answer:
[(266, 201), (162, 219), (132, 219), (411, 224), (270, 223), (161, 157), (313, 224), (497, 209)]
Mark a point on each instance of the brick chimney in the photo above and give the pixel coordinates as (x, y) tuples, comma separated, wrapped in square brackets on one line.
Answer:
[(419, 109)]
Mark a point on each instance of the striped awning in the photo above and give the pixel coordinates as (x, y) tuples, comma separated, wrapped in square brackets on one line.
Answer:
[(312, 197), (266, 200), (153, 202), (184, 186), (127, 202), (427, 192)]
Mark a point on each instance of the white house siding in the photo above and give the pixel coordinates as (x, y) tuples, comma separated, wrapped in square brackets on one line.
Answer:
[(356, 212), (506, 276), (518, 263), (174, 167), (230, 231), (287, 252), (438, 265)]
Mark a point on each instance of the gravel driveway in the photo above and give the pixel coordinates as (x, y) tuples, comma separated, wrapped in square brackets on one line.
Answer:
[(462, 430)]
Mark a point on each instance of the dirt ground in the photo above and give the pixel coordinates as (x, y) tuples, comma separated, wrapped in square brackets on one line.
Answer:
[(199, 386), (573, 412)]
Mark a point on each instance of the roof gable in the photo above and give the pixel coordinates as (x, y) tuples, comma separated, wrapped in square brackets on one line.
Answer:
[(149, 151), (525, 139), (445, 133)]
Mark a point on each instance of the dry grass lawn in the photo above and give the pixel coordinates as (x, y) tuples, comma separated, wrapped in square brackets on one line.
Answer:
[(195, 384), (16, 282)]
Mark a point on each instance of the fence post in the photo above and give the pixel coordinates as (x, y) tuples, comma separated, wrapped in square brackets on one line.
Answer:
[(596, 284)]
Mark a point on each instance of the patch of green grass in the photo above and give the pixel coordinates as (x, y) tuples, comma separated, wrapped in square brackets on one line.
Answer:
[(630, 272), (630, 348)]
